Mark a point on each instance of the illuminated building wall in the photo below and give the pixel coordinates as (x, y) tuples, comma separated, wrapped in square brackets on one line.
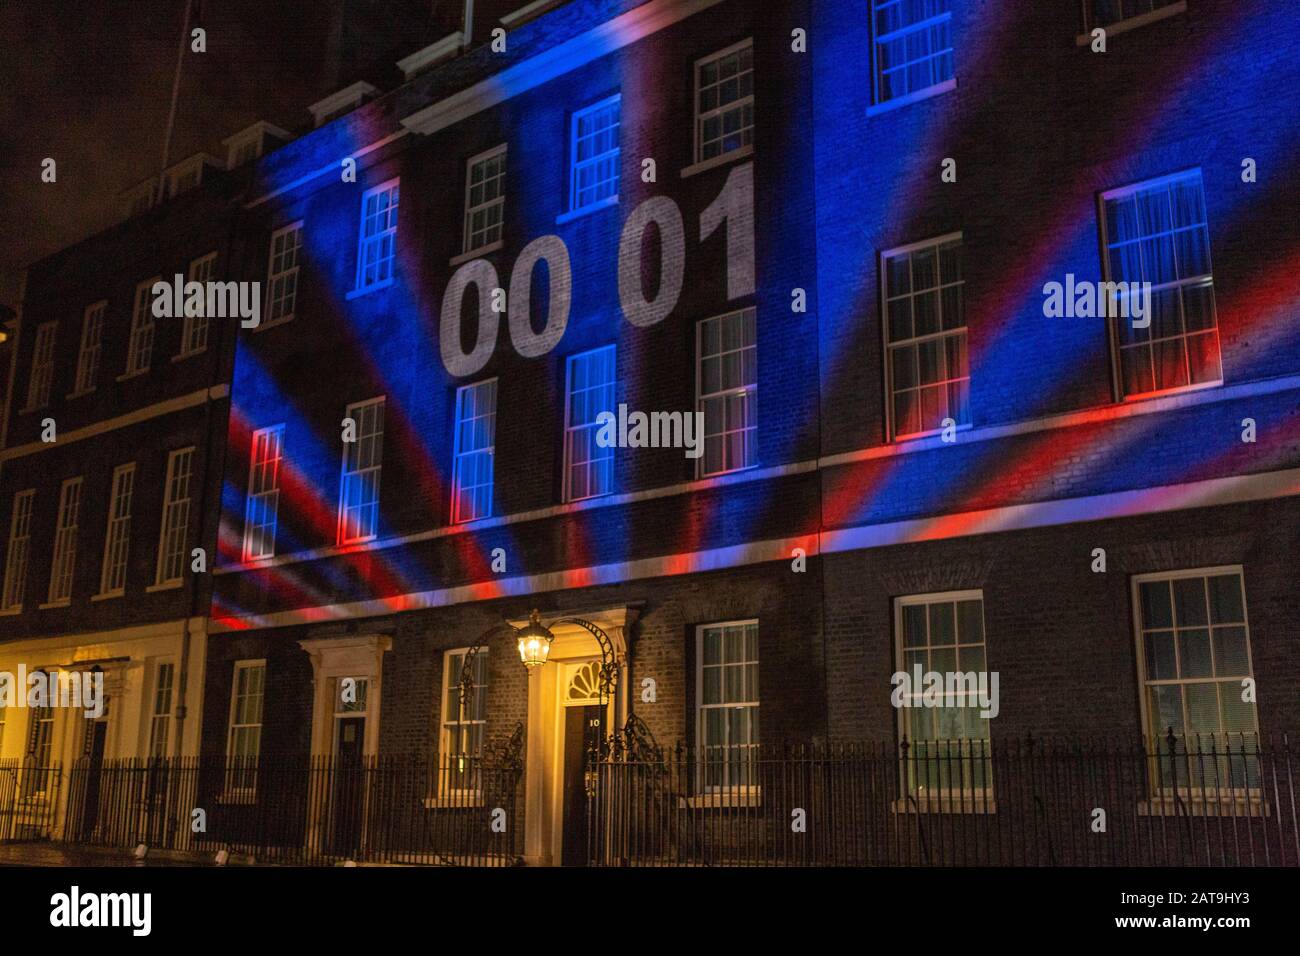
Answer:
[(1056, 445)]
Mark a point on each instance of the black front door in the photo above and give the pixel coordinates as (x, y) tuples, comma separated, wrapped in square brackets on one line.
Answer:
[(96, 735), (348, 802), (582, 732)]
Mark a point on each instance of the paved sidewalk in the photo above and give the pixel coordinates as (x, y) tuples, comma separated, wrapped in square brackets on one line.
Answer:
[(61, 854)]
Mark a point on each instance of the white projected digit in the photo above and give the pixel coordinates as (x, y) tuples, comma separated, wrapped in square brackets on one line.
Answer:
[(483, 276), (735, 206), (528, 343), (664, 213)]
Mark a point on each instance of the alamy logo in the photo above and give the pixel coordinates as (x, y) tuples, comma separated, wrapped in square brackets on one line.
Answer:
[(922, 688), (1098, 300), (42, 689), (653, 430), (214, 300), (74, 908)]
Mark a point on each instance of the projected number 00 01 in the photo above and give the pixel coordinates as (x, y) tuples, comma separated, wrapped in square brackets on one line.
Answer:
[(733, 209)]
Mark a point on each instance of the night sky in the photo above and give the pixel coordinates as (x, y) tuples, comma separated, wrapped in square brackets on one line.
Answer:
[(88, 82)]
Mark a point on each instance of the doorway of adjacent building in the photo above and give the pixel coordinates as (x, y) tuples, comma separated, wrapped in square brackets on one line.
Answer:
[(582, 732), (96, 738)]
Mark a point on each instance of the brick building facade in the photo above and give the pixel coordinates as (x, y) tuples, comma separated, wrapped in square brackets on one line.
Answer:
[(110, 476)]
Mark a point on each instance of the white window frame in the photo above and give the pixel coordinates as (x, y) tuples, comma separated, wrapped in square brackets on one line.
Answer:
[(751, 391), (469, 246), (160, 709), (63, 561), (448, 724), (117, 533), (40, 746), (281, 277), (571, 431), (139, 350), (915, 341), (41, 382), (90, 348), (701, 115), (575, 165), (264, 493), (702, 785), (1157, 740), (459, 454), (878, 39), (185, 176), (173, 533), (18, 551), (1205, 280), (194, 330), (348, 476), (241, 783), (965, 797), (389, 233)]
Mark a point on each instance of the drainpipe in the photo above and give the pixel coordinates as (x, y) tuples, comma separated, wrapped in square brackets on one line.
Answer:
[(214, 465)]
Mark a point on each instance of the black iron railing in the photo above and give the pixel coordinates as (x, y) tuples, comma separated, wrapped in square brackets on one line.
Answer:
[(304, 810), (29, 800), (1226, 800)]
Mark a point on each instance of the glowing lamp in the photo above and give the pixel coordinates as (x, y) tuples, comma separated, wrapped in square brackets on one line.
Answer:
[(534, 641)]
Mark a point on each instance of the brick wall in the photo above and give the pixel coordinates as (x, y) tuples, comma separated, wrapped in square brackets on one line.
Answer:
[(1060, 635)]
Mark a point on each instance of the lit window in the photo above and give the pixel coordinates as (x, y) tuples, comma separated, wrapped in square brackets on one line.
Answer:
[(65, 541), (476, 425), (363, 461), (462, 726), (378, 243), (37, 772), (244, 744), (38, 387), (485, 199), (161, 717), (262, 511), (175, 517), (728, 391), (92, 339), (194, 332), (1194, 659), (913, 46), (18, 550), (588, 468), (1157, 232), (594, 154), (351, 695), (117, 538), (948, 745), (727, 713), (282, 274), (724, 102), (139, 351), (926, 366)]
